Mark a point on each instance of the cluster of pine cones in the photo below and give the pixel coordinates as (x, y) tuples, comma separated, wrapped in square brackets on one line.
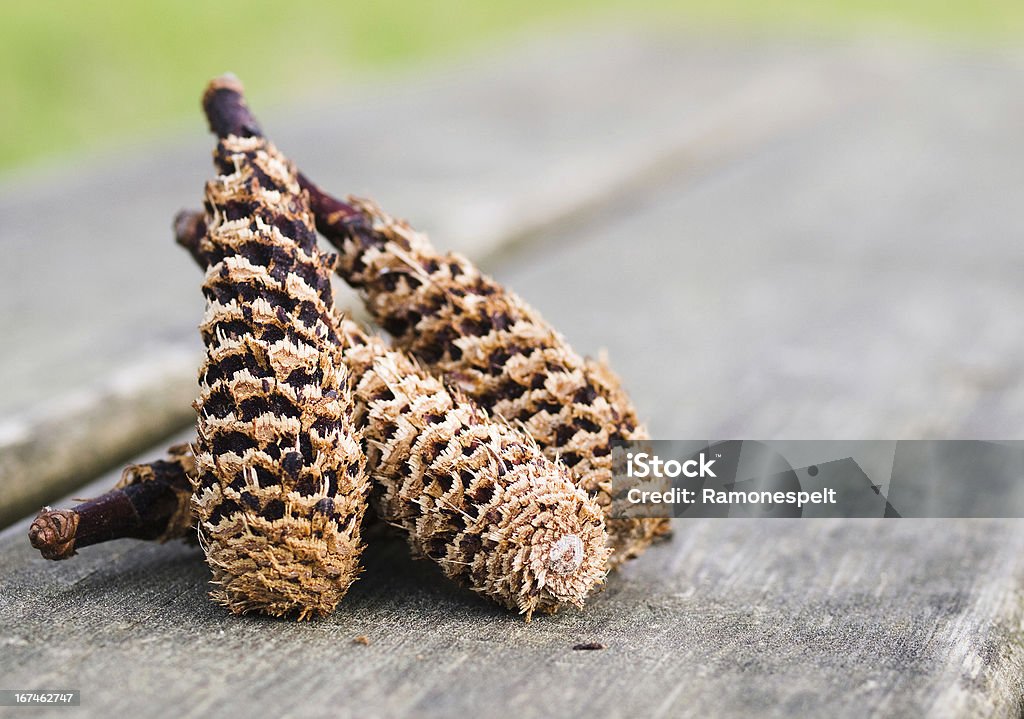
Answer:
[(476, 431)]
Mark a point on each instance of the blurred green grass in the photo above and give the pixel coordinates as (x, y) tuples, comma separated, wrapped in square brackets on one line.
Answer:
[(76, 75)]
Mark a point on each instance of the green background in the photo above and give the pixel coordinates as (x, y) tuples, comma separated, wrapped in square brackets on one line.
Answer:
[(88, 75)]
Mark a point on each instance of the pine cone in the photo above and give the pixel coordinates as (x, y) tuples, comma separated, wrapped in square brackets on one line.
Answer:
[(491, 345), (475, 495), (519, 564), (281, 487)]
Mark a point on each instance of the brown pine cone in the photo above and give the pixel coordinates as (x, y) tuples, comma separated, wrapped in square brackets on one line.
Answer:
[(491, 345), (280, 487)]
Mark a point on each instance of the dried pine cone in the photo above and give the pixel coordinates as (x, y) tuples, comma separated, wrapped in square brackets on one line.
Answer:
[(476, 496), (537, 541), (491, 345), (485, 340), (152, 501), (281, 487)]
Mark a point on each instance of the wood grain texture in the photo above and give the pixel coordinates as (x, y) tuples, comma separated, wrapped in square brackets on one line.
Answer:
[(731, 618)]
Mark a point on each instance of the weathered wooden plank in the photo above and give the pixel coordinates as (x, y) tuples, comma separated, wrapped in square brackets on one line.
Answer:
[(102, 308), (731, 618), (859, 280), (843, 283)]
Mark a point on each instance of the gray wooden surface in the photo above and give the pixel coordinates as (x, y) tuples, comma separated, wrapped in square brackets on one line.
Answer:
[(732, 618), (850, 271)]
